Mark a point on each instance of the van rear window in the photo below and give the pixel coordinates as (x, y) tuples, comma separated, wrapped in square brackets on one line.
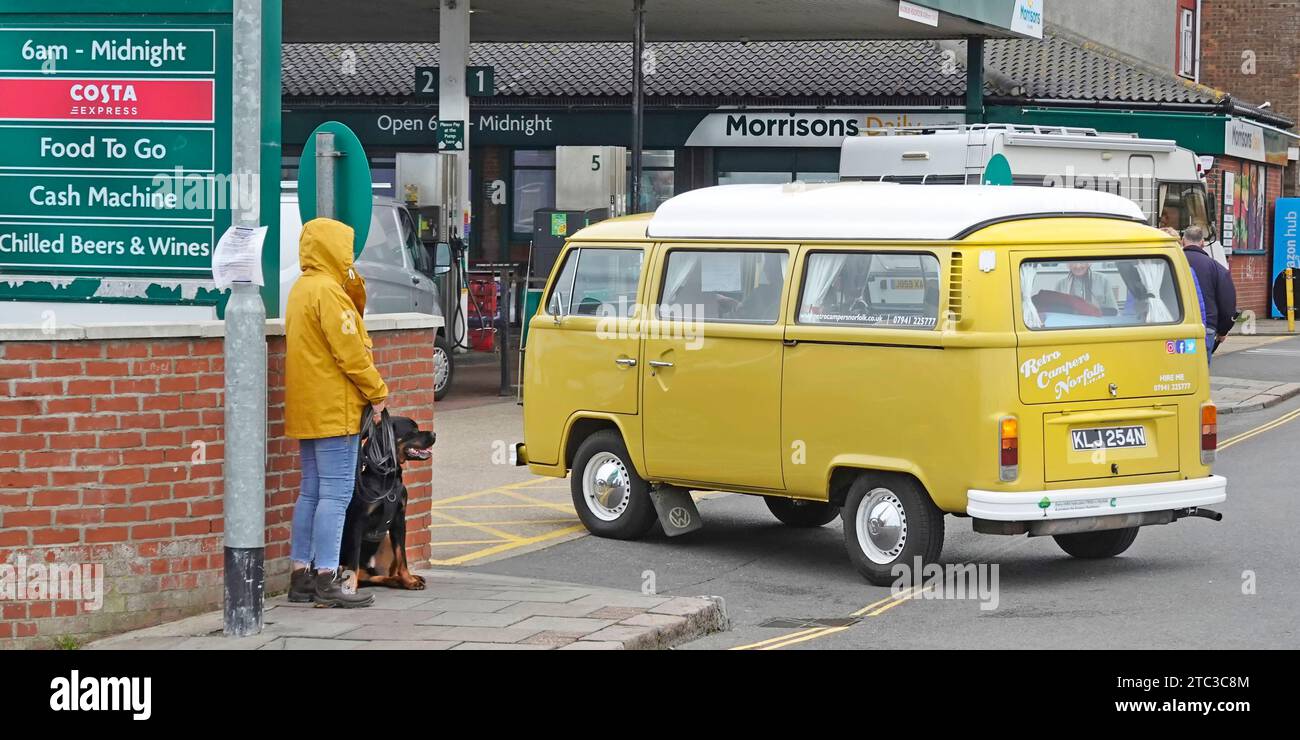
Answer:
[(1098, 292)]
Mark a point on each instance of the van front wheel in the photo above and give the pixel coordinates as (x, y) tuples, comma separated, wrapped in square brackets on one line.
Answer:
[(1092, 545), (890, 519), (610, 498), (795, 512)]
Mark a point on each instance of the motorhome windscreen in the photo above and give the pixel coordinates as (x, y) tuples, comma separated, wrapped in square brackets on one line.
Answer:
[(1098, 292)]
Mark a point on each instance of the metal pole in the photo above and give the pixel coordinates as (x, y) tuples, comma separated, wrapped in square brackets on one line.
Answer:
[(974, 80), (507, 277), (638, 102), (325, 156), (244, 466), (1290, 300), (244, 461)]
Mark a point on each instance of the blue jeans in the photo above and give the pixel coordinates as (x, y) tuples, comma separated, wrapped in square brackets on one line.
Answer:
[(329, 467), (1209, 346)]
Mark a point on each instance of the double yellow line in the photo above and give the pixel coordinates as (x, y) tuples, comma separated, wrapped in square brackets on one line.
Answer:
[(813, 633), (1291, 416)]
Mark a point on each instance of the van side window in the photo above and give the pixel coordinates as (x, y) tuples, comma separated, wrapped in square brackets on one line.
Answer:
[(723, 286), (562, 289), (597, 282), (897, 291)]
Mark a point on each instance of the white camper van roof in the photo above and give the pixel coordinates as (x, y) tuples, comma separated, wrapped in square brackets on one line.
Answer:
[(869, 210)]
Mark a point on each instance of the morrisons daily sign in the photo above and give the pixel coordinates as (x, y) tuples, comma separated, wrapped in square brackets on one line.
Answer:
[(800, 129)]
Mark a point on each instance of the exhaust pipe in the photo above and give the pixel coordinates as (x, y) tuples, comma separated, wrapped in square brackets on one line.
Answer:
[(1210, 514)]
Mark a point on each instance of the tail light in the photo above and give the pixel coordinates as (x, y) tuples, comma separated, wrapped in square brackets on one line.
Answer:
[(1008, 448), (1209, 432)]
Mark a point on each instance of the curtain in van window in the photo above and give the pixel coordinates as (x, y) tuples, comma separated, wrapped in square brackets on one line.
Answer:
[(821, 272), (1028, 278), (1153, 273), (680, 266)]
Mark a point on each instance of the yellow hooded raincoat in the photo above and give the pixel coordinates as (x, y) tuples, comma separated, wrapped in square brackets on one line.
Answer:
[(330, 373)]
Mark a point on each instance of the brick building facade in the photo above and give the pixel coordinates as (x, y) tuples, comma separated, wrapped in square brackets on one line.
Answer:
[(1250, 48)]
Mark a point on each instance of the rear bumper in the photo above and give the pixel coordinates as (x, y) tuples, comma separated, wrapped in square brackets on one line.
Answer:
[(1070, 503)]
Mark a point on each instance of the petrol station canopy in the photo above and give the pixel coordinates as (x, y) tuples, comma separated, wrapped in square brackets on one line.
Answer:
[(666, 20)]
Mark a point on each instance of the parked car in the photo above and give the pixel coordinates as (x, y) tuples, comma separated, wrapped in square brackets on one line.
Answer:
[(400, 274), (1030, 358)]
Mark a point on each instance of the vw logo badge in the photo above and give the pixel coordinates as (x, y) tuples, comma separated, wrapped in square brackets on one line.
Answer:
[(679, 517)]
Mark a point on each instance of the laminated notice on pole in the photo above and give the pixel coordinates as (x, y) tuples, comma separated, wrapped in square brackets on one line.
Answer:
[(238, 257)]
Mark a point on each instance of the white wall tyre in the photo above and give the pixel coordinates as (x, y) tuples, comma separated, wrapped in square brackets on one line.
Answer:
[(890, 519), (1094, 545), (610, 498)]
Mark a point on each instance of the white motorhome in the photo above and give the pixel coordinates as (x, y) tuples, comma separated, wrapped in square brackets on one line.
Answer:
[(1165, 180)]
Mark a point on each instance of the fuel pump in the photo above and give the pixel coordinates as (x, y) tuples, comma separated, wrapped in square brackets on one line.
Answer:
[(425, 183)]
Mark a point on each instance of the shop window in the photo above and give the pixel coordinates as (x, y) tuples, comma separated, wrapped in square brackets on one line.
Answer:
[(533, 175), (775, 166), (658, 182)]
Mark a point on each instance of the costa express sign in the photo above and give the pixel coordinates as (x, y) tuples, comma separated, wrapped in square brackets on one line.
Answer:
[(166, 101)]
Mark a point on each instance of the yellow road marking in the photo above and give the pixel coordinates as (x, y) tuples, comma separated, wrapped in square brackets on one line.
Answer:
[(468, 542), (792, 638), (819, 633), (504, 547), (780, 638), (565, 507), (510, 521), (506, 536), (498, 506), (1260, 429)]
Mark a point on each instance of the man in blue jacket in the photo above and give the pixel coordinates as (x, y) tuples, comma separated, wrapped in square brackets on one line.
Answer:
[(1216, 287)]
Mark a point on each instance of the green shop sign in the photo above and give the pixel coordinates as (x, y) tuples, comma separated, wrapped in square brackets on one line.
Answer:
[(115, 123)]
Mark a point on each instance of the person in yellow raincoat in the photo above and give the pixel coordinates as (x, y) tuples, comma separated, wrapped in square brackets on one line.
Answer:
[(330, 376)]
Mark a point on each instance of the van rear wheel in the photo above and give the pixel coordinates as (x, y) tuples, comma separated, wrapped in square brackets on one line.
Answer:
[(795, 512), (1092, 545), (890, 519), (610, 498)]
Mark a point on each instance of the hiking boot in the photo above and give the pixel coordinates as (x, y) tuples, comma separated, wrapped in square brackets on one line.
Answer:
[(302, 587), (332, 590)]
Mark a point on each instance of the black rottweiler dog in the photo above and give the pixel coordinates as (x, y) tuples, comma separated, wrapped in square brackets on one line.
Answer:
[(373, 520)]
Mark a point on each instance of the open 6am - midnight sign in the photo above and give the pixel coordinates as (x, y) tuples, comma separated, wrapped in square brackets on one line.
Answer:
[(115, 132)]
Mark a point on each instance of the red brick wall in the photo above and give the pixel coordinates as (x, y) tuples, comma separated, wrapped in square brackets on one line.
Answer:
[(1250, 272), (1267, 30), (111, 453)]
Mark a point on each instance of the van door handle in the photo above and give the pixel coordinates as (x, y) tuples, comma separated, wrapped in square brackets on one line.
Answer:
[(415, 281), (660, 363), (626, 361)]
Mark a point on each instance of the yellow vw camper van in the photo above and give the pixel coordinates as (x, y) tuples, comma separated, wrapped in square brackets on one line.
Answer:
[(1030, 358)]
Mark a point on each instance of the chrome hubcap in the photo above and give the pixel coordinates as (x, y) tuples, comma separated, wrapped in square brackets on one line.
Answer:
[(441, 368), (605, 486), (881, 526)]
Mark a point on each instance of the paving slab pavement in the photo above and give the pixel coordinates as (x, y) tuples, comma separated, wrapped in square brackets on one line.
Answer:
[(1237, 395), (458, 610)]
